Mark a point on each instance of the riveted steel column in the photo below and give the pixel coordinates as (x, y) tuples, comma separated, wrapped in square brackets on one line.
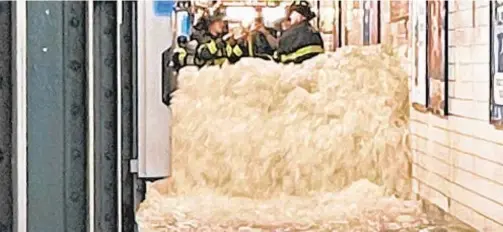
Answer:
[(6, 116), (128, 116), (56, 119), (105, 116)]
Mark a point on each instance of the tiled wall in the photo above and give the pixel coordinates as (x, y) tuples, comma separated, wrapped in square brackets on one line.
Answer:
[(458, 161)]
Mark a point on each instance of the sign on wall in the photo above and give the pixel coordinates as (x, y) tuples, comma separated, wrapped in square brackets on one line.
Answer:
[(497, 63), (437, 56), (163, 8), (419, 79), (371, 22)]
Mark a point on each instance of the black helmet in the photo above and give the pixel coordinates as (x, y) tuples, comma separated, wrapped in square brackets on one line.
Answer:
[(302, 7), (182, 40)]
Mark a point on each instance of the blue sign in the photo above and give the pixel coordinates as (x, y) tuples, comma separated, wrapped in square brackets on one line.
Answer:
[(164, 7), (186, 25)]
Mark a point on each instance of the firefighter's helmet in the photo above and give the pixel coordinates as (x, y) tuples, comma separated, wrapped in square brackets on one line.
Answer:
[(302, 7)]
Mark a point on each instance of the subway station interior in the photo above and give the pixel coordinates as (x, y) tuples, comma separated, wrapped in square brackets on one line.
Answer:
[(396, 125)]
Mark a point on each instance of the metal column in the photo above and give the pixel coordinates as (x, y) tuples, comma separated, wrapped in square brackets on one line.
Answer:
[(105, 116), (6, 116), (114, 70), (128, 115), (56, 116), (61, 63)]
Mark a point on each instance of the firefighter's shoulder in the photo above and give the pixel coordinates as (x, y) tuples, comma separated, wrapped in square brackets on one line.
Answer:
[(313, 29)]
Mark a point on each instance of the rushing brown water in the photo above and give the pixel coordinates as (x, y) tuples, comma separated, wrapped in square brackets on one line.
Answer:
[(321, 146)]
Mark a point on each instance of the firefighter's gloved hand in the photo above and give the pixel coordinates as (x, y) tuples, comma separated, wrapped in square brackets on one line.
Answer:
[(220, 43)]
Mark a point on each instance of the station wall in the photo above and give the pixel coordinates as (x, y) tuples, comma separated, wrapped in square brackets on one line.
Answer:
[(458, 158)]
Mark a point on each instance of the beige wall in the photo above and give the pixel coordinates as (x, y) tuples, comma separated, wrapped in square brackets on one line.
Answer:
[(458, 161)]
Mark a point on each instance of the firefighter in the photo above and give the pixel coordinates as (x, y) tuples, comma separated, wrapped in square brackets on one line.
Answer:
[(180, 53), (262, 42), (300, 41), (215, 49), (212, 49), (236, 48)]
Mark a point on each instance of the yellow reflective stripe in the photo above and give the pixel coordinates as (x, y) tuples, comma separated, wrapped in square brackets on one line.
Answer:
[(181, 54), (181, 58), (237, 50), (301, 52), (228, 49), (179, 50), (212, 46)]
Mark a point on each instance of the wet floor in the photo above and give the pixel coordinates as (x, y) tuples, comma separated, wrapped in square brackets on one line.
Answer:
[(388, 214)]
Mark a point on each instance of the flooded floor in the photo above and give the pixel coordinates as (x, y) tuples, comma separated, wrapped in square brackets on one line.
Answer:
[(361, 207)]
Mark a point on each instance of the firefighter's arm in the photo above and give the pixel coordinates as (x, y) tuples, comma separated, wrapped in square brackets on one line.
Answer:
[(236, 49), (239, 49), (234, 52), (273, 41), (180, 56), (208, 51)]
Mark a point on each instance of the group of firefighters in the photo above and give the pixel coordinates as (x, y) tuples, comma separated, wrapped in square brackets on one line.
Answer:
[(293, 40)]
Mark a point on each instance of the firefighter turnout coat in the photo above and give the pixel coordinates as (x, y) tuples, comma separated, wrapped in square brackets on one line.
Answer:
[(299, 43)]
